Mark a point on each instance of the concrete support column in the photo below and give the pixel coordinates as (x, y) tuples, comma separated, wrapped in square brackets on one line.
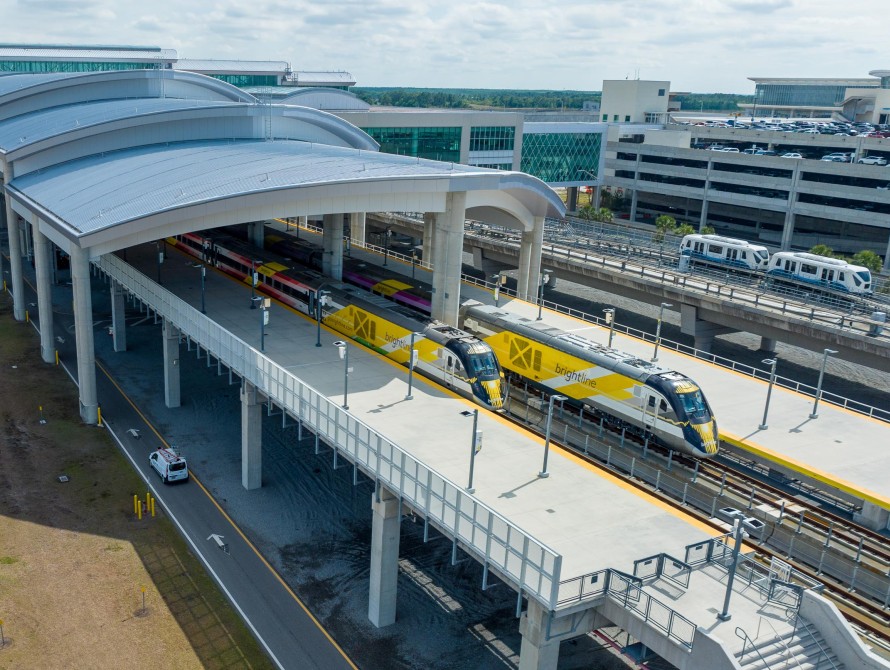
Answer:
[(703, 220), (447, 258), (15, 263), (538, 651), (872, 516), (767, 345), (118, 316), (251, 438), (83, 334), (703, 331), (256, 233), (787, 230), (357, 227), (597, 197), (43, 266), (332, 236), (172, 392), (633, 206), (535, 260), (572, 199), (887, 257), (429, 233), (526, 244), (385, 522), (788, 227)]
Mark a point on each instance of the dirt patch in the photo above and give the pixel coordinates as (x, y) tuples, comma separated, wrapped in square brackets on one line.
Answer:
[(73, 559)]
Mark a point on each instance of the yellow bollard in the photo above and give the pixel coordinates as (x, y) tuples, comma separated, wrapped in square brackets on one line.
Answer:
[(135, 504), (57, 356), (147, 499), (27, 317), (139, 510), (99, 415), (152, 507)]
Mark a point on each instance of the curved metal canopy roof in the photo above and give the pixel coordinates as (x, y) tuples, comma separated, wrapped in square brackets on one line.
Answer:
[(148, 189)]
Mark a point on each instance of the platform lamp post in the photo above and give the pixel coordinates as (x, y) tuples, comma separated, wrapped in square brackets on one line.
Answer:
[(544, 473), (828, 352), (160, 258), (253, 283), (264, 305), (475, 448), (413, 263), (610, 319), (738, 534), (321, 299), (344, 356), (544, 278), (203, 279), (658, 330), (412, 361), (769, 391), (386, 237)]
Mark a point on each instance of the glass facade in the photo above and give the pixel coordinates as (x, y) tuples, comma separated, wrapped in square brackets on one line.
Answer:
[(69, 66), (492, 138), (495, 166), (561, 157), (440, 144), (242, 80), (800, 95)]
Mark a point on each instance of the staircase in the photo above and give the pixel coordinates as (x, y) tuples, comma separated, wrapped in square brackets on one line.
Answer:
[(800, 649)]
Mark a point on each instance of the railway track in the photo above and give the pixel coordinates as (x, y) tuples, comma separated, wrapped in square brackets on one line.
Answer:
[(823, 533)]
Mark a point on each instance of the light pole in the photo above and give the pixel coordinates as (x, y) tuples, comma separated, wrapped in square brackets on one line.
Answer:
[(321, 299), (814, 414), (738, 534), (264, 304), (658, 329), (475, 448), (413, 262), (545, 277), (610, 319), (769, 391), (203, 275), (543, 473), (499, 280), (160, 258), (253, 282), (386, 237), (344, 355), (411, 361)]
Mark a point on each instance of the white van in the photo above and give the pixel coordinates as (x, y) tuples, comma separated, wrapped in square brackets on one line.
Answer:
[(169, 465)]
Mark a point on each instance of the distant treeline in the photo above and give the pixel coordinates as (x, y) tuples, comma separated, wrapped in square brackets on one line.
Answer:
[(487, 98)]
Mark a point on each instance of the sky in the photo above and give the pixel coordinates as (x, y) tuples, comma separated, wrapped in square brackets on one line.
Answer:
[(702, 46)]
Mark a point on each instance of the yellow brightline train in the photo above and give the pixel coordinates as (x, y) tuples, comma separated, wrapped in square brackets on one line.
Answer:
[(622, 389)]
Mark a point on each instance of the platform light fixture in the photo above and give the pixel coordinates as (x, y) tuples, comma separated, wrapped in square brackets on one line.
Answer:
[(658, 329), (386, 236), (321, 299), (610, 319), (412, 361), (344, 355), (738, 534), (827, 352), (500, 279), (475, 448), (544, 473), (203, 279), (543, 279), (769, 391), (254, 280)]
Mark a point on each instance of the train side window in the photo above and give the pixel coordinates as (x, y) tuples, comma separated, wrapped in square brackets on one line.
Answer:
[(841, 277), (536, 363), (806, 268), (714, 249), (663, 407), (651, 402)]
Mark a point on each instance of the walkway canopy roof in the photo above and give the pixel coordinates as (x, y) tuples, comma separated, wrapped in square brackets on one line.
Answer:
[(173, 152)]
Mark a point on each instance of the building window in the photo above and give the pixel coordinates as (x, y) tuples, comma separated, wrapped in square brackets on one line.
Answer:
[(71, 66), (242, 80), (627, 118), (492, 138), (615, 118), (496, 166), (440, 144), (661, 93)]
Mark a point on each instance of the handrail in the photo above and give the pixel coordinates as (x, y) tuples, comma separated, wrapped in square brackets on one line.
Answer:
[(822, 651), (784, 644), (745, 638)]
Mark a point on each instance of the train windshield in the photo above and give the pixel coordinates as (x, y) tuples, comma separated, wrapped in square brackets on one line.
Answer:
[(865, 276), (694, 405), (483, 365)]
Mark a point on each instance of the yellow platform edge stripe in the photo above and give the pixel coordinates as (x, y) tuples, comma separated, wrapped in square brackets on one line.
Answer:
[(818, 475)]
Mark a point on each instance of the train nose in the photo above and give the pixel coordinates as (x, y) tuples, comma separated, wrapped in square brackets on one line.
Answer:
[(493, 391)]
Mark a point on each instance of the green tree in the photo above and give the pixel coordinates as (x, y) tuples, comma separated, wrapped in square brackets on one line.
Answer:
[(823, 250), (604, 214), (683, 229), (664, 225), (868, 259), (708, 230)]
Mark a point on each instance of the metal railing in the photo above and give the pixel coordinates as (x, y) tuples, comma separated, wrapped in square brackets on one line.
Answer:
[(663, 565), (627, 591), (745, 638), (520, 559)]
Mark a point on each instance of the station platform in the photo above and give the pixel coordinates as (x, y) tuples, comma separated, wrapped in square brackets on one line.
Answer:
[(591, 518), (841, 451)]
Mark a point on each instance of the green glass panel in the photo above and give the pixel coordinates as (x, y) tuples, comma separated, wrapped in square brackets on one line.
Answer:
[(69, 66), (440, 144), (561, 157), (492, 138)]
